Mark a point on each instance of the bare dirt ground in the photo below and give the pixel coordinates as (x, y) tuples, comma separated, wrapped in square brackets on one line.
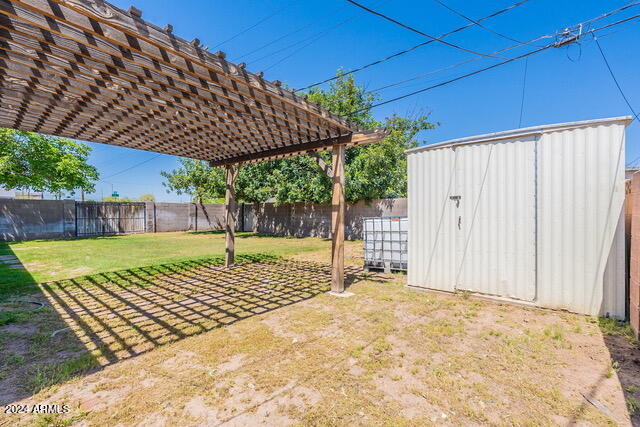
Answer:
[(264, 344)]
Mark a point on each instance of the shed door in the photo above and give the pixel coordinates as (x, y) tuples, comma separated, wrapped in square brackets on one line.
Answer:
[(496, 218)]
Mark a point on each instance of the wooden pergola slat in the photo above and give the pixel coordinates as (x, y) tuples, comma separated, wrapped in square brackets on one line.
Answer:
[(98, 87), (121, 48), (85, 69), (218, 96)]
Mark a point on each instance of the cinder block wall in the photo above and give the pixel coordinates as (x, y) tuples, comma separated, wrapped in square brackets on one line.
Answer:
[(56, 219), (314, 220), (37, 219), (209, 217), (163, 217), (172, 217), (633, 200)]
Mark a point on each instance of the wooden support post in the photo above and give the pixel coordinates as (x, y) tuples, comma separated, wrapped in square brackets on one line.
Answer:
[(337, 220), (230, 223)]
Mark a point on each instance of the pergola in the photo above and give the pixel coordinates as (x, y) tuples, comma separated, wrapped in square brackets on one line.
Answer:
[(85, 69)]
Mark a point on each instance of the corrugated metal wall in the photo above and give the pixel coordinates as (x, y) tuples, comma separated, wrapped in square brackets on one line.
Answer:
[(496, 218), (580, 203), (431, 221), (539, 218)]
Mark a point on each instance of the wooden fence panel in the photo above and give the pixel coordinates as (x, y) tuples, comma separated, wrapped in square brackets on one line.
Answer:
[(103, 219)]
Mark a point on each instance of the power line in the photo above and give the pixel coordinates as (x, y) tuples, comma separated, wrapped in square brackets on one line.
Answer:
[(411, 49), (613, 76), (304, 27), (559, 43), (266, 18), (313, 38), (610, 33), (524, 85), (403, 52), (473, 73), (322, 34), (441, 3), (435, 39), (449, 67), (615, 80), (132, 167), (531, 41)]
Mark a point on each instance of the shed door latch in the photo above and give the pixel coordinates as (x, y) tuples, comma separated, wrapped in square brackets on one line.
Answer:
[(456, 199)]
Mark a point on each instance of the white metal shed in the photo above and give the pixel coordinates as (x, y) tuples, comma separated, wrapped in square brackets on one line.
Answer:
[(533, 214)]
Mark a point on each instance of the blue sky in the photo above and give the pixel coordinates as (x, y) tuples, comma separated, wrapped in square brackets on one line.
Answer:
[(565, 84)]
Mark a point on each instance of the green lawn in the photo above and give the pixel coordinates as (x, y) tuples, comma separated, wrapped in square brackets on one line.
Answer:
[(47, 260)]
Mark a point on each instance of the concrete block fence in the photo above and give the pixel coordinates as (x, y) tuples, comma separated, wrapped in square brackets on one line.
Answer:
[(56, 219)]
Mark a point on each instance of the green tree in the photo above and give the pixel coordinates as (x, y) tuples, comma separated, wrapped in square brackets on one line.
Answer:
[(372, 171), (196, 178), (31, 161), (147, 198), (118, 199)]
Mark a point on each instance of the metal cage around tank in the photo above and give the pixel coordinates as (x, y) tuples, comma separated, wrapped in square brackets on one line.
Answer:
[(385, 243)]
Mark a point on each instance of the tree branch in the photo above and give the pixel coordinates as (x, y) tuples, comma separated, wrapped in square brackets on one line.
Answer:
[(321, 163)]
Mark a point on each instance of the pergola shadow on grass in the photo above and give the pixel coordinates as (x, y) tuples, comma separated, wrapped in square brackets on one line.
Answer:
[(109, 317)]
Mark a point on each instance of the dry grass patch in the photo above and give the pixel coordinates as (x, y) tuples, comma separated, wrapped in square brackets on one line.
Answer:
[(265, 343)]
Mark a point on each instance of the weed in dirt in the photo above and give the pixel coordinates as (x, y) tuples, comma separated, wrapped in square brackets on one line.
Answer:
[(611, 326), (632, 405), (492, 333), (10, 361), (55, 420), (440, 329), (14, 316), (470, 314), (613, 368), (6, 338), (43, 376), (631, 388), (554, 333), (39, 343), (464, 294), (377, 358), (309, 319), (15, 360)]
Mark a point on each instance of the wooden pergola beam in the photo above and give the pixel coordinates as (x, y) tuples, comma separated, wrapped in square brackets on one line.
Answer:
[(359, 138)]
